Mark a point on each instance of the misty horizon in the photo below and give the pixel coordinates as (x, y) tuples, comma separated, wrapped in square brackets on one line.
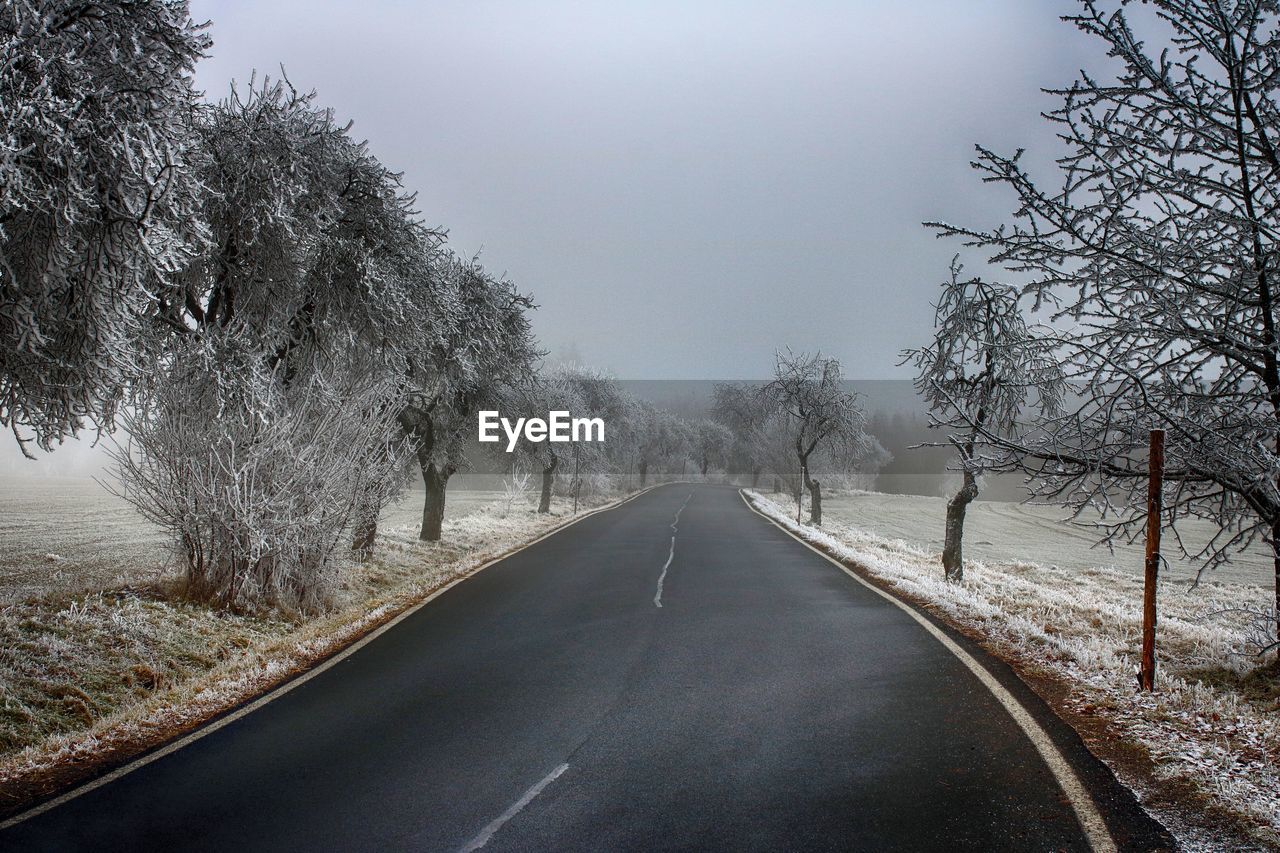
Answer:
[(726, 179)]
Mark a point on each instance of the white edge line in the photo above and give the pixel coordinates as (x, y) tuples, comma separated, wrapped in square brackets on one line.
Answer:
[(296, 681), (488, 832), (1090, 819)]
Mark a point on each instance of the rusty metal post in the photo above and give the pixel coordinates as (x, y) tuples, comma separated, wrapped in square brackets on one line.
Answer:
[(1155, 506)]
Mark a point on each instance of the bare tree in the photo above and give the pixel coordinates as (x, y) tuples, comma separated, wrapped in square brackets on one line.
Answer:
[(820, 414), (1158, 254), (984, 364), (98, 200)]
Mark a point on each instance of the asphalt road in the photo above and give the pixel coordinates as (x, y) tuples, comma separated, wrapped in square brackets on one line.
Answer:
[(549, 703)]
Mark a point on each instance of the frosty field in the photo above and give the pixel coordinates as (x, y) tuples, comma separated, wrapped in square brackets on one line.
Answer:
[(999, 531), (69, 534)]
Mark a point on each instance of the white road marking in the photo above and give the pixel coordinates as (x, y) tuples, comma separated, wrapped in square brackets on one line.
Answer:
[(657, 598), (1090, 819), (298, 681), (487, 833)]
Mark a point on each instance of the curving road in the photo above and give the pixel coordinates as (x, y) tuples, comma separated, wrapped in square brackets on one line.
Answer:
[(548, 703)]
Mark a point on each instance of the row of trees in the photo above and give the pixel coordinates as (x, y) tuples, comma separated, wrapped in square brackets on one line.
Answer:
[(801, 421), (249, 293), (246, 290), (1155, 260), (642, 440), (242, 285)]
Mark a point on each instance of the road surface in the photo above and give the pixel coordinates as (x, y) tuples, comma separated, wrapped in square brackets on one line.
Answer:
[(637, 681)]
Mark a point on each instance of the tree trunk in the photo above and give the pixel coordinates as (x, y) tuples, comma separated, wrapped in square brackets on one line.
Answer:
[(815, 503), (815, 493), (755, 477), (1275, 546), (644, 472), (706, 463), (366, 531), (435, 479), (953, 549), (548, 478)]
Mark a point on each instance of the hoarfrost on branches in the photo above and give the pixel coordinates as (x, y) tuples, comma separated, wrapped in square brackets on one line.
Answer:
[(818, 414), (256, 479), (1157, 257), (484, 346), (983, 366), (98, 200)]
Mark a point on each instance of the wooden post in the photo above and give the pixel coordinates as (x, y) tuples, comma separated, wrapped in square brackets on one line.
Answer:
[(1155, 506), (800, 497)]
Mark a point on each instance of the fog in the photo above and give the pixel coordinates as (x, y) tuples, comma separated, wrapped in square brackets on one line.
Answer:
[(685, 187)]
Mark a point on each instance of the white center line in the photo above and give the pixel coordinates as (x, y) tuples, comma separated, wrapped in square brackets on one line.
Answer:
[(657, 598), (488, 832)]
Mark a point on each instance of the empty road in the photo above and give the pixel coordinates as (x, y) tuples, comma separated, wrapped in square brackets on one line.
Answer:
[(638, 681)]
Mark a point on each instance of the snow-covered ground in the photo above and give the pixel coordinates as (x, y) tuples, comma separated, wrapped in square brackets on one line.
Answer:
[(1080, 626), (1012, 532), (70, 534)]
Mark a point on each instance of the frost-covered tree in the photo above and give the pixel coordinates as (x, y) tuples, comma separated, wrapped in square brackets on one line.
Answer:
[(773, 444), (737, 406), (1157, 252), (276, 339), (983, 366), (98, 199), (661, 438), (256, 479), (712, 441), (584, 393), (601, 397), (820, 415), (534, 398), (485, 346), (313, 243), (625, 438)]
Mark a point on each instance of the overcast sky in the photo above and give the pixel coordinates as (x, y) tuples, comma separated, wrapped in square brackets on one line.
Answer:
[(684, 186)]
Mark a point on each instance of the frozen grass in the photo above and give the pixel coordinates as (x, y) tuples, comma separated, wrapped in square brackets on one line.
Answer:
[(90, 675), (1212, 723), (1001, 531), (62, 536)]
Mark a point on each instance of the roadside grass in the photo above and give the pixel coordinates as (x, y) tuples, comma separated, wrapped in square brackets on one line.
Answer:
[(1212, 728), (90, 678)]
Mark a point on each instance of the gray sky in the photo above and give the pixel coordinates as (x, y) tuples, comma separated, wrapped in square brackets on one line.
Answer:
[(685, 187)]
